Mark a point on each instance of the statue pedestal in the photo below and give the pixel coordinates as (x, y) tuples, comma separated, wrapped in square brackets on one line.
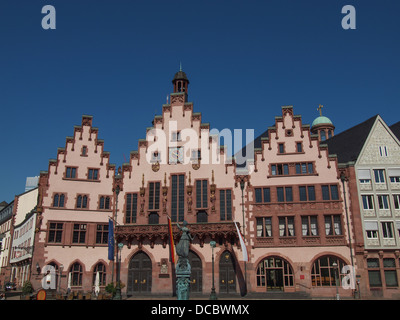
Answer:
[(183, 273)]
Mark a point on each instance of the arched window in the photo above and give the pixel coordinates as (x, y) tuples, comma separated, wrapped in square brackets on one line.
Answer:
[(324, 269), (153, 218), (76, 274), (323, 135), (202, 216), (58, 200), (104, 202), (274, 273), (81, 201), (101, 269)]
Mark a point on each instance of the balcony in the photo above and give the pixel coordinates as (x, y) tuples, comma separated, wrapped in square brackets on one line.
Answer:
[(221, 231)]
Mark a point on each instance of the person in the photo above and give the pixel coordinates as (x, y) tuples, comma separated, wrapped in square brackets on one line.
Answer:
[(182, 249)]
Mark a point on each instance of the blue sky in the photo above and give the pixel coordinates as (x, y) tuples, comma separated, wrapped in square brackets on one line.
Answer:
[(245, 59)]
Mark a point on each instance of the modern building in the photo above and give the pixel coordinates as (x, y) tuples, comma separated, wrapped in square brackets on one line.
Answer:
[(369, 160)]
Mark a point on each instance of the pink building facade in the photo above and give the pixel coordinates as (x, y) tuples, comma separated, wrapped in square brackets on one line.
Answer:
[(289, 198)]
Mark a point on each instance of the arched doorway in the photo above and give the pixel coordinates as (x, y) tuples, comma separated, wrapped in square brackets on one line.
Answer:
[(274, 273), (139, 274), (227, 273), (196, 279)]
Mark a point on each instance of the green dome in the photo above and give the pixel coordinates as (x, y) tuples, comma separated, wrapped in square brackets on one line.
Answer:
[(321, 120)]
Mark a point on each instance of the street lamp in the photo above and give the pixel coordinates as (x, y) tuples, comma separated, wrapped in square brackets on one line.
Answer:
[(244, 232), (334, 265), (118, 285), (213, 295)]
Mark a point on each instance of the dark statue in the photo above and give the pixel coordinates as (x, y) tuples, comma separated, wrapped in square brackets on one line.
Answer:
[(182, 249)]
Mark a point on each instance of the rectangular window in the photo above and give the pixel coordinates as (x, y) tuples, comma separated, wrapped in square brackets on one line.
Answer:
[(325, 193), (262, 195), (299, 147), (396, 201), (394, 179), (383, 151), (309, 226), (281, 148), (333, 226), (389, 269), (379, 175), (374, 273), (280, 194), (93, 174), (102, 234), (334, 192), (201, 194), (371, 229), (79, 233), (289, 194), (311, 193), (131, 208), (286, 226), (304, 168), (330, 192), (178, 197), (196, 154), (258, 195), (279, 169), (267, 194), (284, 194), (387, 230), (70, 172), (225, 198), (368, 201), (55, 232), (176, 136), (383, 201), (264, 227), (154, 195)]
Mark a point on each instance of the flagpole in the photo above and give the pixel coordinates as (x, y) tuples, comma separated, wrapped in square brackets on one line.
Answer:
[(171, 253)]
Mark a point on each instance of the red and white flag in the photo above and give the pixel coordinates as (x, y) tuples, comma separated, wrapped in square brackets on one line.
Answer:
[(244, 249)]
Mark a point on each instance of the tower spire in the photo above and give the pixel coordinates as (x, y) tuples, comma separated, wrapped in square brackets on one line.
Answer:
[(180, 66)]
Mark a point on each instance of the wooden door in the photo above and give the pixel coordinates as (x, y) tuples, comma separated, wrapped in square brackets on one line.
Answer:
[(139, 275), (227, 274)]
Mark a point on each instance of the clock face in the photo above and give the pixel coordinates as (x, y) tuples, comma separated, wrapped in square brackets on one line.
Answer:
[(176, 155)]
